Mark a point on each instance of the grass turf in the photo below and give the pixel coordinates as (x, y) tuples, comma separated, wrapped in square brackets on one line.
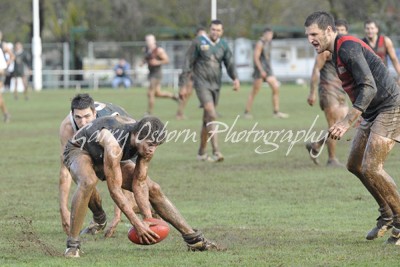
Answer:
[(270, 209)]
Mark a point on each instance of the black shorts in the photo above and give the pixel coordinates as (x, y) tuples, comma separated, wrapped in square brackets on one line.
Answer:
[(72, 154), (267, 69)]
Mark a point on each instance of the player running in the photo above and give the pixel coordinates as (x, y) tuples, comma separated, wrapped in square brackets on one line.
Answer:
[(375, 96)]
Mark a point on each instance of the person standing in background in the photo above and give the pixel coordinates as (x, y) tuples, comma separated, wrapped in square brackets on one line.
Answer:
[(3, 67), (21, 69), (204, 64), (186, 90), (155, 57), (381, 44), (263, 73)]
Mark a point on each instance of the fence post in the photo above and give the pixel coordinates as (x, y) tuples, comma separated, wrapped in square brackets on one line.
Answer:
[(66, 65)]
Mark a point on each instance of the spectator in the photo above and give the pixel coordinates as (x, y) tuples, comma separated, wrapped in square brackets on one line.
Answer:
[(122, 74)]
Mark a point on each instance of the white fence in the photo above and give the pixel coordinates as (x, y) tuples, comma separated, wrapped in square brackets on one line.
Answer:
[(292, 59)]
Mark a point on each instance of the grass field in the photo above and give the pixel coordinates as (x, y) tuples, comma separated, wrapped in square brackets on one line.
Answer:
[(271, 209)]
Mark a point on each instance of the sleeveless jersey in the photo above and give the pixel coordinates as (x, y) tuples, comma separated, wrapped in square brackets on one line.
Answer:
[(153, 70), (380, 48), (87, 138), (265, 56), (102, 109), (370, 86)]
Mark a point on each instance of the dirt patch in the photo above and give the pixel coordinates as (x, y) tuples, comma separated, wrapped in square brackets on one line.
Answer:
[(28, 238)]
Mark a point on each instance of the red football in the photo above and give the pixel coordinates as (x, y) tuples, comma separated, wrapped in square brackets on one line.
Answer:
[(160, 227)]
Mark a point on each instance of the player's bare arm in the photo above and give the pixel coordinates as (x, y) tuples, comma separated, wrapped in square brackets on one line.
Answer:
[(236, 84), (112, 170), (66, 132), (117, 214), (140, 188), (340, 128), (320, 61), (392, 55), (164, 59), (256, 57)]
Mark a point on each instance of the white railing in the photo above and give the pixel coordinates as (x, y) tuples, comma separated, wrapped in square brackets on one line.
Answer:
[(95, 79)]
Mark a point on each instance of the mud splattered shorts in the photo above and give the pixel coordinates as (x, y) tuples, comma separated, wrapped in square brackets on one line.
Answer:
[(207, 95), (386, 124), (72, 155), (330, 96)]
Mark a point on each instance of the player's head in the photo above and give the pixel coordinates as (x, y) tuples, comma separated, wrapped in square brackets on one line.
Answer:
[(216, 30), (322, 19), (268, 33), (121, 61), (83, 109), (149, 133), (320, 30), (18, 47), (371, 28), (200, 31), (150, 40), (342, 27)]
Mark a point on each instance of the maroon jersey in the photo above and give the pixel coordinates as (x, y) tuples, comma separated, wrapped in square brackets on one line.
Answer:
[(380, 47), (364, 77), (154, 71)]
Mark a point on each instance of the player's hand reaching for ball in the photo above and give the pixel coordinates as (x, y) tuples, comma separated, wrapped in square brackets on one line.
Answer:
[(146, 235)]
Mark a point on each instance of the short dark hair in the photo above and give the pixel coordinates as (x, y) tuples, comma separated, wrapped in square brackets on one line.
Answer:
[(342, 22), (322, 19), (267, 29), (216, 22), (82, 101), (199, 29), (150, 128), (370, 21)]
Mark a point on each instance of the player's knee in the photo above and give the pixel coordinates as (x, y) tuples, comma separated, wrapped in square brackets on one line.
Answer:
[(369, 170), (211, 117), (353, 167), (87, 184), (155, 191)]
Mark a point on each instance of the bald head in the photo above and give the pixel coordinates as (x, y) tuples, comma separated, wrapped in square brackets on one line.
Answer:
[(150, 40)]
